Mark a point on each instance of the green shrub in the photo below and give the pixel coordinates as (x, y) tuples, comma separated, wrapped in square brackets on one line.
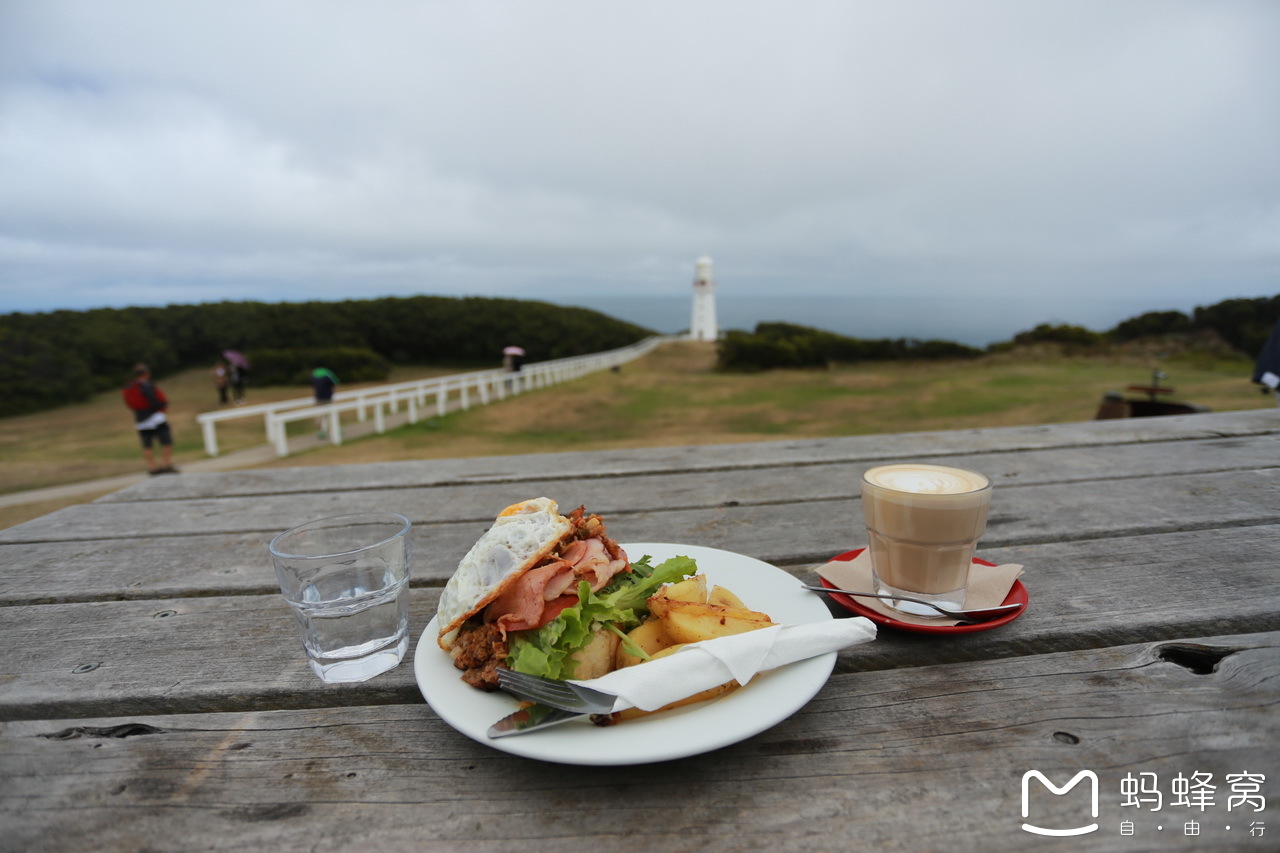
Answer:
[(775, 345), (54, 358), (294, 366), (1073, 336), (36, 374), (1243, 323), (1151, 324)]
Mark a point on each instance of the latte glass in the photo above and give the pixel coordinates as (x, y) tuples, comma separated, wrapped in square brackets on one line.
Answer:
[(923, 525)]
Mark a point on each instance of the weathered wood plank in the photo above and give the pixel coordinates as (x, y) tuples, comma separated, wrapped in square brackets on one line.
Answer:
[(242, 652), (191, 561), (867, 450), (205, 545), (922, 759)]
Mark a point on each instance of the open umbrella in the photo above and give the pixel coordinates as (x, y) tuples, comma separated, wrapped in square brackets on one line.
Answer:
[(513, 351), (236, 357)]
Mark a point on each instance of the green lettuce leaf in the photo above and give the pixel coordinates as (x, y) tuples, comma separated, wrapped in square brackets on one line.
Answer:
[(547, 651)]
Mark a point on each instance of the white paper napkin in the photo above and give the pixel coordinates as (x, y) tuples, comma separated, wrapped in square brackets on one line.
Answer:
[(701, 666), (988, 587)]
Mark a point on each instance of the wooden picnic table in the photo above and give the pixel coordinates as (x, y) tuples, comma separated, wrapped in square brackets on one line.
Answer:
[(154, 694)]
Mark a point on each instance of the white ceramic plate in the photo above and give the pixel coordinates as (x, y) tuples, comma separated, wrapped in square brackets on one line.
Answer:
[(767, 700)]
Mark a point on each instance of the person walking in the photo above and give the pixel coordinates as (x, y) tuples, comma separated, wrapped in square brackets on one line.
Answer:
[(322, 384), (148, 404), (239, 381), (1267, 371), (221, 381), (238, 365)]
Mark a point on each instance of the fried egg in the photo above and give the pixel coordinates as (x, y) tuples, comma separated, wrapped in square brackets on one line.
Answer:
[(522, 535)]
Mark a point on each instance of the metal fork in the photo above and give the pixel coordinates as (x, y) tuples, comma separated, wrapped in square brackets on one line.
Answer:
[(555, 694)]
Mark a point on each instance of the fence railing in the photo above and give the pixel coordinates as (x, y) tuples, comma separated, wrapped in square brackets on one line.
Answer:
[(464, 389)]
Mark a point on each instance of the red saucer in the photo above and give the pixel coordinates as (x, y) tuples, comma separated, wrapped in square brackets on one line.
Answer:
[(1017, 595)]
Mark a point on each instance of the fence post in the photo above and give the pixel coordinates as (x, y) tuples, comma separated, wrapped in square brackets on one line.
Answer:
[(210, 430), (280, 435), (335, 427)]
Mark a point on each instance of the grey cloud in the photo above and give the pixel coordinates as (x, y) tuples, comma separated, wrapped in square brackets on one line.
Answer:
[(293, 150)]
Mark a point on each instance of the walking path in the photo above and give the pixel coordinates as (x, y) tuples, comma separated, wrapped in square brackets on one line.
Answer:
[(249, 458)]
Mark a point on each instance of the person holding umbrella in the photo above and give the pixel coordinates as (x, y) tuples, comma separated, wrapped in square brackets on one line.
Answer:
[(239, 365), (512, 358)]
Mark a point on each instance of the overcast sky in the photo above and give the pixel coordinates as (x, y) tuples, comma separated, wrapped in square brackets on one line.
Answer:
[(1076, 158)]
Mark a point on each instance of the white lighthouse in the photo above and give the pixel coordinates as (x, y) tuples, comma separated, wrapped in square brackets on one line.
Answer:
[(703, 325)]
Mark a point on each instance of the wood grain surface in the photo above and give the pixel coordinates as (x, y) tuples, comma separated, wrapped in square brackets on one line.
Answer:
[(154, 694), (923, 759)]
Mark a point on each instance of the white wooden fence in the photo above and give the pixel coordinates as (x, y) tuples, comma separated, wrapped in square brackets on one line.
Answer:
[(483, 387)]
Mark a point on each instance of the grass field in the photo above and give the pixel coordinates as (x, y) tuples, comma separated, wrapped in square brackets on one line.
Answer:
[(671, 397)]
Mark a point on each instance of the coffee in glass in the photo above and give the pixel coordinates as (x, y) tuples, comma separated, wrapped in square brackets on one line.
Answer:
[(923, 524)]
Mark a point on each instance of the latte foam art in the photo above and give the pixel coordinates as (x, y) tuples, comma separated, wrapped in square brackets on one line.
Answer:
[(923, 479)]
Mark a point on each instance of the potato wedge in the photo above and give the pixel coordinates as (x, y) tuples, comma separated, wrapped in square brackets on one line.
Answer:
[(683, 613), (690, 589), (709, 693), (712, 693), (650, 636), (596, 658), (725, 598), (689, 622)]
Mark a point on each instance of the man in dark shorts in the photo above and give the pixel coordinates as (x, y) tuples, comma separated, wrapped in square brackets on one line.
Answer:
[(148, 404), (323, 382)]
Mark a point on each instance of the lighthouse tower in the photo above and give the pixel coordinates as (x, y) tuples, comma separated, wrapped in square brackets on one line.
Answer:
[(703, 325)]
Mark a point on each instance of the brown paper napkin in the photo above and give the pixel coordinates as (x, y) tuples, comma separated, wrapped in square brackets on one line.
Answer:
[(988, 587)]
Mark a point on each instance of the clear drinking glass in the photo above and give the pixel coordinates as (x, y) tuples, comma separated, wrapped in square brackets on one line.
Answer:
[(346, 578), (923, 525)]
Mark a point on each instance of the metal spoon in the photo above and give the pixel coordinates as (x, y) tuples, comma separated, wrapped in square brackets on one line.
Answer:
[(978, 615)]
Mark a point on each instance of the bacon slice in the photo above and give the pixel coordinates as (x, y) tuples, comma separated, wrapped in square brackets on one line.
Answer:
[(521, 605), (543, 593)]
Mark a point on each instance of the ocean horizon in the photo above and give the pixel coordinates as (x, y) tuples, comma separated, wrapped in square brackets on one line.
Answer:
[(975, 321)]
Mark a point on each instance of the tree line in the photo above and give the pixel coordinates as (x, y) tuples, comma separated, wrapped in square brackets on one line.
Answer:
[(1242, 323), (54, 358)]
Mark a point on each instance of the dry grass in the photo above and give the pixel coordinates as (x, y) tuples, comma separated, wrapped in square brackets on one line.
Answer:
[(671, 397)]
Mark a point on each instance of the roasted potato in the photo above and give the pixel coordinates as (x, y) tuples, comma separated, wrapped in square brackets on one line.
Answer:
[(690, 589), (713, 693), (725, 598), (596, 658), (651, 637), (710, 693), (686, 612), (690, 622)]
